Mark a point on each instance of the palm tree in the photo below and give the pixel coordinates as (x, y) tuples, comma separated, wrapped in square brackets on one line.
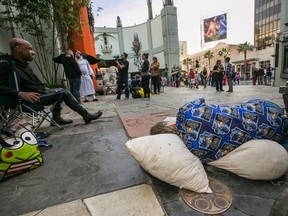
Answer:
[(244, 48), (208, 55), (187, 62), (224, 52)]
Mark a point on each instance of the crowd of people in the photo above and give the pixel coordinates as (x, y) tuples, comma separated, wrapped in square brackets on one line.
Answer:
[(148, 73), (262, 75), (220, 75), (224, 74)]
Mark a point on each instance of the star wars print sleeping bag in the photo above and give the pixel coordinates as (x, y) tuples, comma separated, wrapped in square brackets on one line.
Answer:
[(210, 131)]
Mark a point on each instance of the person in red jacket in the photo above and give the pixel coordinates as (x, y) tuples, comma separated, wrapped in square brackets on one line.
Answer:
[(191, 78)]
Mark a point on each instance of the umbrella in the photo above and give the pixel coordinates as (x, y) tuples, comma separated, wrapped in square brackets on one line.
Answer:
[(89, 58), (59, 58)]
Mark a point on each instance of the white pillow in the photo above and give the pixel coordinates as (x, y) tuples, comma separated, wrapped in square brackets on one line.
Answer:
[(256, 159), (166, 157)]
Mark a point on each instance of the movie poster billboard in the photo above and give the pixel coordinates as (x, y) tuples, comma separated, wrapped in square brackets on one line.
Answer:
[(215, 28)]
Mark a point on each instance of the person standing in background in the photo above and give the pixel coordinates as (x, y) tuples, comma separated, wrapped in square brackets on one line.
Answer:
[(145, 75), (229, 73), (205, 76), (86, 87), (260, 75), (269, 74), (191, 78), (265, 75), (197, 79), (211, 79), (123, 67), (73, 73), (218, 71), (254, 74), (155, 73), (237, 78)]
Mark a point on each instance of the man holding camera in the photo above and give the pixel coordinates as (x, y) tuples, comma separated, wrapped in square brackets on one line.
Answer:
[(123, 66)]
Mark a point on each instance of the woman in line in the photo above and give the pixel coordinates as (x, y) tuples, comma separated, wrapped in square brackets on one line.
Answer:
[(145, 75), (205, 75), (86, 87), (155, 73)]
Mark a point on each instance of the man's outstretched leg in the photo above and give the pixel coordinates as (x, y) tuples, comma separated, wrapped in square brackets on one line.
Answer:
[(71, 102)]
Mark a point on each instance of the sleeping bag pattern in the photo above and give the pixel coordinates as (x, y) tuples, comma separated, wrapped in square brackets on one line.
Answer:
[(211, 131)]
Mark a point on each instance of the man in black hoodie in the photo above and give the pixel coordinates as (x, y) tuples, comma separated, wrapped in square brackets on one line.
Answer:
[(31, 90), (73, 73)]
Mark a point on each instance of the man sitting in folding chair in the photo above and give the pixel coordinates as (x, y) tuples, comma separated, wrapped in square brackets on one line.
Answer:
[(32, 91)]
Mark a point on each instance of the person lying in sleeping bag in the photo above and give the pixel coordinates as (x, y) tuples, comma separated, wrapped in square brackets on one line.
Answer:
[(211, 131)]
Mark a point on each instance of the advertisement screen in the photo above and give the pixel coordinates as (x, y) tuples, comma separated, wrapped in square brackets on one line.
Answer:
[(215, 28)]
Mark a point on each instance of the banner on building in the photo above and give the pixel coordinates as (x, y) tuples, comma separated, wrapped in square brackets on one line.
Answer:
[(215, 28)]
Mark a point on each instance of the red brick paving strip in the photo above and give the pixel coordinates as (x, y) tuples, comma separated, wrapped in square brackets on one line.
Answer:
[(139, 125)]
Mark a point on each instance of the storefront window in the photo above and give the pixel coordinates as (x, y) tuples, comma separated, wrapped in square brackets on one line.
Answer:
[(264, 64)]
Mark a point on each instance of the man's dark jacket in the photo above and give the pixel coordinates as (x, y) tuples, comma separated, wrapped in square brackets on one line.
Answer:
[(27, 80), (71, 68)]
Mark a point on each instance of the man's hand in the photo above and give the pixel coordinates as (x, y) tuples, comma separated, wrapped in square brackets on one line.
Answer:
[(32, 97)]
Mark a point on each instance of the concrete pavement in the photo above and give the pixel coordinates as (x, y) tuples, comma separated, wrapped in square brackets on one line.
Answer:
[(90, 172)]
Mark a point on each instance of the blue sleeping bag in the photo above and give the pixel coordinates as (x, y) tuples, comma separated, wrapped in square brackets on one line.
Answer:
[(211, 131)]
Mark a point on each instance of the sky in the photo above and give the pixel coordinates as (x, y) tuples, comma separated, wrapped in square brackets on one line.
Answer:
[(190, 14)]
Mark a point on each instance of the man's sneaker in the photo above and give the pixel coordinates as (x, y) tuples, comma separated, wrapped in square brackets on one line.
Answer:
[(126, 98), (61, 121), (90, 117), (95, 99)]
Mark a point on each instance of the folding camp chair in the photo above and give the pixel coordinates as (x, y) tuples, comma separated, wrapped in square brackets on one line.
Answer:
[(35, 114), (13, 111)]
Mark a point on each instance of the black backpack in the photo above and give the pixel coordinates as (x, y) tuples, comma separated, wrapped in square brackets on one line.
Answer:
[(5, 57)]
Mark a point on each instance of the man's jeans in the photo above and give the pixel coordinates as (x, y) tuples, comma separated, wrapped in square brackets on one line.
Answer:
[(75, 88), (219, 82), (156, 83), (49, 97), (120, 82), (230, 82), (260, 80), (59, 95)]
